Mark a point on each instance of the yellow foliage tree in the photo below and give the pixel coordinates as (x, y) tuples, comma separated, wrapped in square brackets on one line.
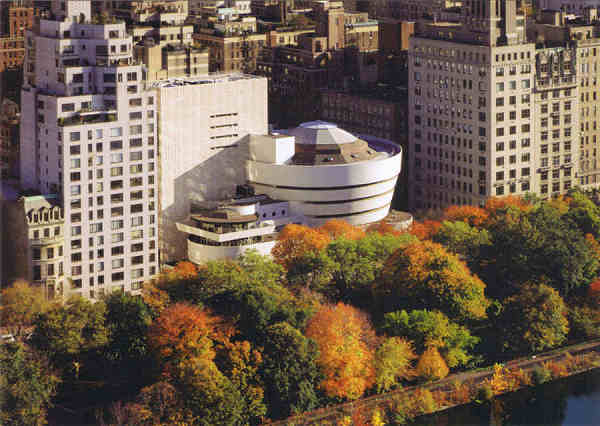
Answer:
[(294, 241), (345, 339), (20, 304), (431, 365)]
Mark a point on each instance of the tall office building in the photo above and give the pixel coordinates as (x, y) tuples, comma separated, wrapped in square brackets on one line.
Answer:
[(484, 112), (90, 137)]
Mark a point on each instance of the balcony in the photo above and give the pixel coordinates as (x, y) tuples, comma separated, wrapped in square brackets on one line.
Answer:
[(92, 117), (105, 109), (556, 82), (47, 241)]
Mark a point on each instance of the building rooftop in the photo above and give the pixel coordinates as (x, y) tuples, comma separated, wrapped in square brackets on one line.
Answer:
[(205, 79), (320, 133)]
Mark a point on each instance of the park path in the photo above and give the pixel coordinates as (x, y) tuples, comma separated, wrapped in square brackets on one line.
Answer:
[(476, 376)]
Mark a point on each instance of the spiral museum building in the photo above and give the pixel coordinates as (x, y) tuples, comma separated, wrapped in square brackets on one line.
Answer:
[(325, 172)]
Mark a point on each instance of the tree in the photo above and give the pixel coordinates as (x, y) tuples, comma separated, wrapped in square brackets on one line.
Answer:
[(337, 228), (127, 321), (473, 216), (594, 293), (393, 363), (345, 339), (27, 386), (534, 319), (431, 365), (583, 214), (384, 228), (73, 334), (21, 303), (184, 339), (463, 239), (424, 230), (183, 332), (186, 269), (584, 322), (296, 240), (495, 204), (289, 371), (355, 265), (424, 274), (432, 328)]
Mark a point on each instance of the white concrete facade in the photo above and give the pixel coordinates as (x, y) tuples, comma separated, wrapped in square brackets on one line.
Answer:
[(204, 126), (91, 138)]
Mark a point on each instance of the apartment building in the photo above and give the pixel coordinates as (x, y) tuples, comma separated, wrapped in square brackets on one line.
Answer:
[(9, 139), (472, 100), (91, 139)]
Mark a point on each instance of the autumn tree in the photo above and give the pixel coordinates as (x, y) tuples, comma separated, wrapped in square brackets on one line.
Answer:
[(495, 204), (289, 371), (185, 340), (584, 322), (296, 240), (473, 216), (21, 303), (337, 228), (583, 214), (593, 292), (384, 228), (393, 363), (424, 274), (534, 319), (432, 328), (27, 385), (431, 365), (186, 269), (424, 230), (72, 336), (345, 340)]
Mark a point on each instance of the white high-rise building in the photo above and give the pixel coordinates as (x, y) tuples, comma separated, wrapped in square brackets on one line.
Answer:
[(89, 135)]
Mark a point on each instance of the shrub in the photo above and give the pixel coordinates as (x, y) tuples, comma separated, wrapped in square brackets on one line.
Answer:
[(484, 393), (540, 374)]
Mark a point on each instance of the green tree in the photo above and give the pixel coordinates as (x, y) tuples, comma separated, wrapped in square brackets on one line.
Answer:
[(425, 274), (534, 319), (21, 303), (289, 371), (356, 264), (584, 322), (432, 328), (583, 214), (27, 386), (463, 239), (72, 334), (393, 360), (127, 321)]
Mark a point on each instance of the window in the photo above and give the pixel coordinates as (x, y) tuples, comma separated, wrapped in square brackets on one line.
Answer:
[(96, 227), (500, 190), (137, 234), (500, 87), (116, 131), (136, 168), (525, 84), (137, 247), (525, 171), (115, 251), (137, 260), (499, 175), (499, 161), (116, 158), (118, 263), (135, 156), (68, 107), (116, 224), (500, 131), (135, 130), (116, 145), (116, 171), (137, 208), (74, 136), (118, 276), (499, 102), (137, 221)]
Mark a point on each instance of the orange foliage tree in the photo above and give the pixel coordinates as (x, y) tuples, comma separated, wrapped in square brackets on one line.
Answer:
[(496, 203), (474, 216), (294, 241), (383, 228), (346, 342), (337, 228), (181, 333), (424, 230), (186, 269), (431, 365), (426, 271), (593, 243)]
